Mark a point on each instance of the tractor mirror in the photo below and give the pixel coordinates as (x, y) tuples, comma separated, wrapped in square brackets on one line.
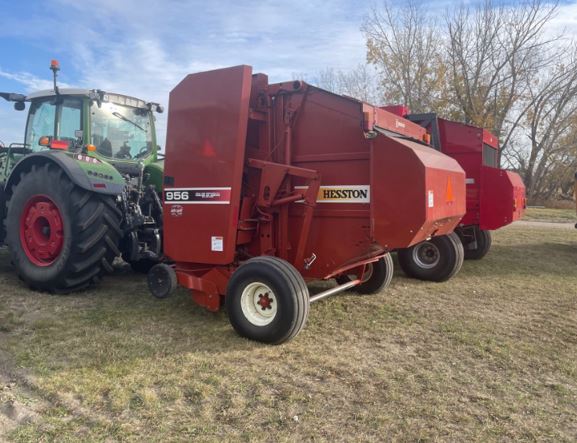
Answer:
[(44, 140), (20, 106)]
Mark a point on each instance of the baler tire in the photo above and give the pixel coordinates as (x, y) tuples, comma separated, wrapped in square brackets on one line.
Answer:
[(484, 241), (381, 276), (450, 259), (287, 289), (162, 281), (88, 237)]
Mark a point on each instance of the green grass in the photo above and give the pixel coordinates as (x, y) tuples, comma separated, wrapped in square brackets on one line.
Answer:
[(550, 215), (487, 356)]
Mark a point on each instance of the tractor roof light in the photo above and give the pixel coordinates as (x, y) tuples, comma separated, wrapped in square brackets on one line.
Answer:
[(54, 65)]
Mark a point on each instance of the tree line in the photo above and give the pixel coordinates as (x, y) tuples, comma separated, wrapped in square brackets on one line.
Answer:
[(501, 67)]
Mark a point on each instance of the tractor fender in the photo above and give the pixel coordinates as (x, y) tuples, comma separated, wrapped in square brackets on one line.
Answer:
[(95, 176)]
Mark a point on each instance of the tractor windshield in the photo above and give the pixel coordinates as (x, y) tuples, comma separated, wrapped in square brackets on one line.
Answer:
[(120, 132)]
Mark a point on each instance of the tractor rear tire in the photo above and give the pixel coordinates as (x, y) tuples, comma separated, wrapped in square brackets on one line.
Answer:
[(380, 274), (484, 241), (437, 259), (267, 300), (62, 238)]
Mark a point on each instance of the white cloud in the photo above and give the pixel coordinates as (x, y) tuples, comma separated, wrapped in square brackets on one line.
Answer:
[(29, 81), (565, 21), (146, 51)]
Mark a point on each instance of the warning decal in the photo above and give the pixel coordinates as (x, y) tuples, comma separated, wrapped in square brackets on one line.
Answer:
[(217, 243)]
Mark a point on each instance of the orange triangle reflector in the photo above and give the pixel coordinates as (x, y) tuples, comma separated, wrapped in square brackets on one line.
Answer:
[(450, 196)]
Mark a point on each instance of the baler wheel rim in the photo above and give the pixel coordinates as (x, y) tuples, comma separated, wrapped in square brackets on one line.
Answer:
[(259, 303), (426, 255)]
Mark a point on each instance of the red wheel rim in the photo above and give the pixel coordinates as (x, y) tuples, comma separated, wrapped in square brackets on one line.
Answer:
[(41, 230)]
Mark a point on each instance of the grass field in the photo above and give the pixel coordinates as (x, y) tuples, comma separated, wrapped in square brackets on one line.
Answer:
[(488, 356), (550, 215)]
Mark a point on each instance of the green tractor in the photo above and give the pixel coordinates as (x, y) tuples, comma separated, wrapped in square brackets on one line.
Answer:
[(83, 188)]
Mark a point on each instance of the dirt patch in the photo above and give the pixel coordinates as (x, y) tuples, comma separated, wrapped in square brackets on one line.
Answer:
[(18, 406)]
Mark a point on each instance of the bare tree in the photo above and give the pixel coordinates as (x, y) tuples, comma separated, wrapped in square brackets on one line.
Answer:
[(404, 46), (550, 124), (494, 53), (493, 66), (360, 83)]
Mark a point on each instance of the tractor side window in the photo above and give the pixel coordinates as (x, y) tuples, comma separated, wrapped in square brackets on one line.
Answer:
[(70, 119), (40, 123)]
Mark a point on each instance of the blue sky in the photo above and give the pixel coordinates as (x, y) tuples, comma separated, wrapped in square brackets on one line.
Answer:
[(144, 48)]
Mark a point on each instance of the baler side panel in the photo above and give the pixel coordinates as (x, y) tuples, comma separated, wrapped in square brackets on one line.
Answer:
[(328, 137), (206, 135)]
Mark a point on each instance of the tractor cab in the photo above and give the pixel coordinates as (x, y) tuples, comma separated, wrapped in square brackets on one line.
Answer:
[(115, 128)]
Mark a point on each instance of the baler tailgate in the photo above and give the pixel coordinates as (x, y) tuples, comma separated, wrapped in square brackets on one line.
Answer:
[(416, 192), (502, 197)]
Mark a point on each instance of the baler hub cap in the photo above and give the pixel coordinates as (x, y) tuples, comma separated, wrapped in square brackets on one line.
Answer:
[(426, 255), (258, 303)]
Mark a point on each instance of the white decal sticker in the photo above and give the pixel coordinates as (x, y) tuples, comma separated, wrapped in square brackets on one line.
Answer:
[(470, 181), (176, 210), (431, 199), (217, 244)]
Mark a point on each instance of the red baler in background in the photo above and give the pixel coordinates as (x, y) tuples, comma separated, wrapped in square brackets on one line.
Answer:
[(267, 186), (495, 197)]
